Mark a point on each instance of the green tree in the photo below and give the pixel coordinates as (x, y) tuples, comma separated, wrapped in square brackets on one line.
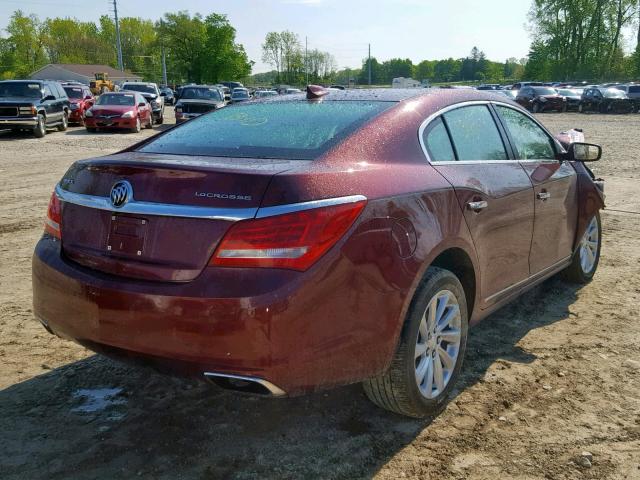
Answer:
[(26, 44), (223, 59)]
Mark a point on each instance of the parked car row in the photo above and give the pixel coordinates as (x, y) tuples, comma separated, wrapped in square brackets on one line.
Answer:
[(564, 97), (40, 105)]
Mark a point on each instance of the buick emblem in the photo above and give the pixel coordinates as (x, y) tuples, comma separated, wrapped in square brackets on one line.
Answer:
[(121, 193)]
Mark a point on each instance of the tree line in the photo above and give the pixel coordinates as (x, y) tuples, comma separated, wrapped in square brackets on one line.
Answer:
[(571, 40), (292, 63), (584, 39), (197, 49)]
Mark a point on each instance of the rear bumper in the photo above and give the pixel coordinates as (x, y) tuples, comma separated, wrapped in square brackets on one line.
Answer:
[(75, 115), (22, 122), (297, 331)]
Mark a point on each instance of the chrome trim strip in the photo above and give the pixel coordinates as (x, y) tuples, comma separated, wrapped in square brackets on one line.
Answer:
[(189, 211), (274, 390), (432, 117), (298, 207), (160, 209), (558, 265)]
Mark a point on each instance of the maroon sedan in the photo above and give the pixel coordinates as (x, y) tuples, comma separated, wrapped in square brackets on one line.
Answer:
[(119, 110), (80, 100), (291, 244), (541, 99)]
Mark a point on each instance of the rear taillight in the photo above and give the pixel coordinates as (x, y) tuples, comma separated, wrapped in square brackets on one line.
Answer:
[(54, 217), (293, 240)]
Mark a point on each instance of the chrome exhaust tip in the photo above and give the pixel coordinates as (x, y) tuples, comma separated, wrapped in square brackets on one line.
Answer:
[(241, 383)]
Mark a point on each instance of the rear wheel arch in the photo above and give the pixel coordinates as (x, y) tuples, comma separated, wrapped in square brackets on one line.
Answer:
[(457, 261)]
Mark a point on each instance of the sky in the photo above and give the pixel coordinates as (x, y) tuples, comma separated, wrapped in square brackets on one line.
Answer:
[(415, 29)]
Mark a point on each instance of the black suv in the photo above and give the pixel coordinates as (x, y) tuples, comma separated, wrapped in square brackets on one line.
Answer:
[(605, 100), (196, 100), (34, 105), (151, 92)]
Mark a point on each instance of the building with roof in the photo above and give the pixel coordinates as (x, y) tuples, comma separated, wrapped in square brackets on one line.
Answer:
[(81, 73)]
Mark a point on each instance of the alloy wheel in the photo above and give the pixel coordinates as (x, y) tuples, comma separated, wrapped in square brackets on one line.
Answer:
[(589, 246), (438, 344)]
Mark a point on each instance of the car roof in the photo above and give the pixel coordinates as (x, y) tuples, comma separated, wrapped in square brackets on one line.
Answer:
[(24, 81)]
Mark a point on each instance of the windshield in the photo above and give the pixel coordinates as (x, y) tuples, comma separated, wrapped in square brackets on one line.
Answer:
[(200, 94), (283, 130), (544, 91), (73, 92), (240, 94), (139, 87), (20, 89), (116, 99), (614, 93), (568, 92)]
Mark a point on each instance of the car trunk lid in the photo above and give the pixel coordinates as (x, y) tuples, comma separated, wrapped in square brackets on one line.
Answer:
[(181, 208)]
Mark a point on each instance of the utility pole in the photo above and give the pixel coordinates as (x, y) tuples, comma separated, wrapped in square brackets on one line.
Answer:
[(119, 44), (306, 58), (369, 62), (164, 58)]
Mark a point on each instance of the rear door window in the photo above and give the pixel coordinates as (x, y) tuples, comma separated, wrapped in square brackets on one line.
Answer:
[(291, 130), (531, 141), (437, 142), (474, 134)]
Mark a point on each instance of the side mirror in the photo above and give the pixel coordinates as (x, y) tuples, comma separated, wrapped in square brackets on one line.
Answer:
[(49, 98), (88, 97), (142, 104), (163, 94), (584, 152)]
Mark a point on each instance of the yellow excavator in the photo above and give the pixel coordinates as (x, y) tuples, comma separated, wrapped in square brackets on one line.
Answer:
[(101, 84)]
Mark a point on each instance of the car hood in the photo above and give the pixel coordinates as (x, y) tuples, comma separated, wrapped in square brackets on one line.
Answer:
[(14, 100), (99, 109), (188, 101)]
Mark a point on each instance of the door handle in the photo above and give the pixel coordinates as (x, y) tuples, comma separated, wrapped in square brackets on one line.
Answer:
[(544, 196), (477, 206)]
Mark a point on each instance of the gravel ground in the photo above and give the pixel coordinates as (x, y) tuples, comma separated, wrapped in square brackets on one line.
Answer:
[(554, 374)]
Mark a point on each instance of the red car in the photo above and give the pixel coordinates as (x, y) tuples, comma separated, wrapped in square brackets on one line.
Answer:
[(119, 110), (302, 242), (80, 100)]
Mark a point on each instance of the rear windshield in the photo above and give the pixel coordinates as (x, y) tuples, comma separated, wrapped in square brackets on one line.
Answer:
[(20, 89), (73, 92), (200, 94), (544, 91), (283, 130), (117, 99), (634, 89), (139, 87)]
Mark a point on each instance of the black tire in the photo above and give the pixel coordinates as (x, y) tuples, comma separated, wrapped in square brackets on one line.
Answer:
[(565, 107), (41, 128), (149, 124), (65, 122), (138, 126), (397, 389), (576, 272), (92, 129), (535, 108), (160, 119)]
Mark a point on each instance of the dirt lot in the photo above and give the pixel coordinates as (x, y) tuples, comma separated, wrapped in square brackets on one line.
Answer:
[(554, 374)]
